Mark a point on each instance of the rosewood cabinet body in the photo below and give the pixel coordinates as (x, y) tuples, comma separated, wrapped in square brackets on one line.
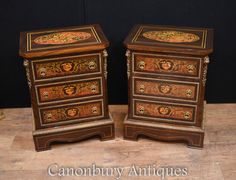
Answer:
[(67, 71), (166, 69)]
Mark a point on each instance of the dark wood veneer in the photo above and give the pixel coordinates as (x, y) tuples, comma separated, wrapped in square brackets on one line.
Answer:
[(179, 49), (67, 125)]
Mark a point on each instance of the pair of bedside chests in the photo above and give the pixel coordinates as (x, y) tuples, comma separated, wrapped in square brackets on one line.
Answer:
[(67, 76)]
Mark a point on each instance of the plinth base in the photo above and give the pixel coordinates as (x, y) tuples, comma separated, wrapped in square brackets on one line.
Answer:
[(104, 129), (191, 135)]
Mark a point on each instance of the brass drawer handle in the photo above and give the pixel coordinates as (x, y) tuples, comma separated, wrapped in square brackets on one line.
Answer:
[(94, 110), (141, 110), (92, 65), (42, 71), (187, 115), (191, 68), (45, 94), (141, 88), (48, 116), (141, 65), (93, 88), (189, 92)]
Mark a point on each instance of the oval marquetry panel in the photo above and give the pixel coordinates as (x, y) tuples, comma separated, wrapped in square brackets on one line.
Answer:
[(62, 38), (171, 36)]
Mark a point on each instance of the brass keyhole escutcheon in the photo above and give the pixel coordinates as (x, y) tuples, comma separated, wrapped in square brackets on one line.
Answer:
[(141, 65), (94, 110), (93, 88), (141, 110), (92, 65), (141, 88), (189, 92), (191, 68), (187, 115)]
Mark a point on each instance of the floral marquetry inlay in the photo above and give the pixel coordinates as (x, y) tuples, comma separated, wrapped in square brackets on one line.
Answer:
[(70, 66), (168, 65), (62, 38), (165, 89), (171, 36), (71, 112), (164, 111), (65, 91)]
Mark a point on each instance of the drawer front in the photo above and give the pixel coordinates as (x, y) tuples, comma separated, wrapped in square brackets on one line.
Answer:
[(71, 113), (62, 67), (165, 89), (166, 65), (164, 112), (65, 91)]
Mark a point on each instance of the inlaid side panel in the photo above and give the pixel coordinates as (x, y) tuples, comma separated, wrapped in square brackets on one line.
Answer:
[(62, 67), (71, 112), (189, 67), (64, 91), (164, 112), (158, 88)]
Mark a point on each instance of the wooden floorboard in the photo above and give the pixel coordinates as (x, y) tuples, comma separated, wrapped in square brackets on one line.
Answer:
[(217, 160)]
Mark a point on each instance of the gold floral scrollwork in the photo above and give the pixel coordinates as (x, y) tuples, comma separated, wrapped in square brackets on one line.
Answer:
[(127, 54), (105, 54), (26, 64), (206, 62)]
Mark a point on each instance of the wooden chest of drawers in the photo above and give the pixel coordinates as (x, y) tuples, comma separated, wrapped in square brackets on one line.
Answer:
[(167, 69), (67, 71)]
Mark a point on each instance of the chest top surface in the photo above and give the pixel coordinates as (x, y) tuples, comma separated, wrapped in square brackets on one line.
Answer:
[(57, 41), (170, 39)]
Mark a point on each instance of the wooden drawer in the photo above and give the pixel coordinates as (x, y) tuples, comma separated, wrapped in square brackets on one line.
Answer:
[(69, 90), (166, 65), (164, 112), (165, 89), (64, 67), (71, 113)]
